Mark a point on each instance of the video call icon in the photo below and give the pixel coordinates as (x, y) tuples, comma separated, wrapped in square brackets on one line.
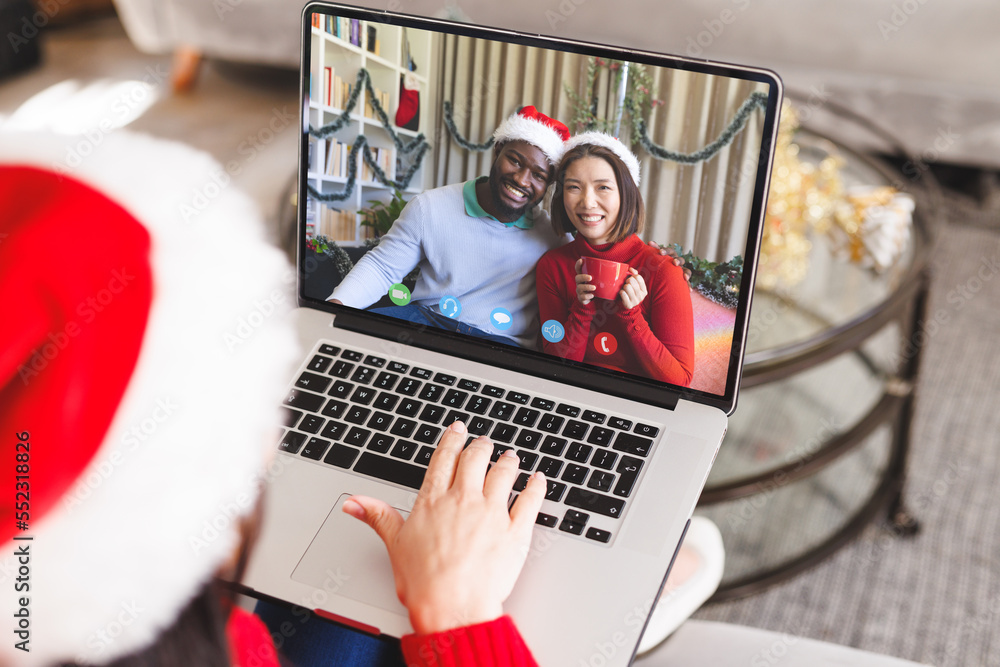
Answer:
[(450, 306), (553, 331), (399, 294), (501, 318)]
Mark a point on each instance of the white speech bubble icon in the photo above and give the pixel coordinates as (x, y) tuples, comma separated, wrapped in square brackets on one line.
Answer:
[(501, 318)]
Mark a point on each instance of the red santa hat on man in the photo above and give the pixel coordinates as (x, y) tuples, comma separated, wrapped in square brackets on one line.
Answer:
[(531, 125), (142, 352)]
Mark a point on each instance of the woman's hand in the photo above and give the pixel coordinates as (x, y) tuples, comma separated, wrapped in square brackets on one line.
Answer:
[(584, 288), (457, 556), (633, 291)]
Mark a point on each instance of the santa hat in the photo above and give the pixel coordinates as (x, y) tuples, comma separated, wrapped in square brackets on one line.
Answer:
[(531, 125), (142, 357), (612, 144)]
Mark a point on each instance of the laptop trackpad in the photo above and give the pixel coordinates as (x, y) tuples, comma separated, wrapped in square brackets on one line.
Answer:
[(347, 558)]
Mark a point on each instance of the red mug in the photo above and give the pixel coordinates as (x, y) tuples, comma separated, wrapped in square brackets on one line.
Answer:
[(606, 275)]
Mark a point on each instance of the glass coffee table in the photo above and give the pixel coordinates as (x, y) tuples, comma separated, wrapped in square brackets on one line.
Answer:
[(817, 448)]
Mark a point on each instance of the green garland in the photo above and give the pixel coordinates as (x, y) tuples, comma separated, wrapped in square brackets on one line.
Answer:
[(718, 281)]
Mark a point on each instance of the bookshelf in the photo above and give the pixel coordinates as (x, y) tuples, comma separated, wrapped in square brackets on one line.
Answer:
[(340, 48)]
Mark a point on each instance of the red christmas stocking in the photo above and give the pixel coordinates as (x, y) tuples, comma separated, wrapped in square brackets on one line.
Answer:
[(408, 112)]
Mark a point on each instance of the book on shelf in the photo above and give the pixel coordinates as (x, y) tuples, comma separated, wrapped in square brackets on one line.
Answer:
[(337, 224), (383, 158), (371, 40), (328, 85)]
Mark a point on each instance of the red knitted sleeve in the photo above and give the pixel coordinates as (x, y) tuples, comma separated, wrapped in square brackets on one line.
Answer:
[(555, 282), (496, 643)]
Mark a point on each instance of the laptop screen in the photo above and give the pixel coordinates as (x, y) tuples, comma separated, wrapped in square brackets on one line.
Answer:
[(439, 194)]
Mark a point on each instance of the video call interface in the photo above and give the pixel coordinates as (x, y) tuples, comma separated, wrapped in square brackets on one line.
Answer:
[(406, 233)]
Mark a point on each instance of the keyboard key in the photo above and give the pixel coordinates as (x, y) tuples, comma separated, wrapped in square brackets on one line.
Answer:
[(599, 535), (495, 392), (385, 380), (427, 434), (574, 522), (357, 414), (546, 520), (363, 395), (319, 363), (385, 401), (542, 404), (632, 444), (480, 425), (377, 362), (575, 430), (594, 417), (403, 428), (390, 470), (341, 369), (424, 455), (550, 467), (334, 409), (551, 423), (312, 424), (329, 349), (357, 436), (431, 392), (579, 452), (619, 423), (409, 387), (341, 456), (553, 445), (628, 473), (522, 481), (421, 373), (604, 458), (502, 411), (380, 443), (455, 416), (600, 436), (334, 430), (498, 451), (454, 399), (646, 430), (290, 417), (404, 449), (292, 442), (351, 355), (380, 421), (554, 490), (340, 389), (432, 413), (517, 397), (528, 439), (468, 385), (363, 374), (568, 410), (527, 459), (503, 432), (601, 481), (445, 379), (315, 448), (478, 405), (303, 400), (409, 407), (526, 417), (575, 474), (397, 367), (594, 502)]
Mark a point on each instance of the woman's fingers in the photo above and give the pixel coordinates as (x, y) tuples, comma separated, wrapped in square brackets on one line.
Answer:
[(472, 466), (500, 480), (525, 510), (582, 278), (382, 517), (441, 469)]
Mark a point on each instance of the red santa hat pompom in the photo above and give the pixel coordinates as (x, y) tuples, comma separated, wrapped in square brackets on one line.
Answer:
[(142, 357), (531, 125), (612, 144)]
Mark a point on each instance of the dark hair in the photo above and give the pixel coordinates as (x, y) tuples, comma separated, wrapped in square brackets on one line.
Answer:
[(631, 211)]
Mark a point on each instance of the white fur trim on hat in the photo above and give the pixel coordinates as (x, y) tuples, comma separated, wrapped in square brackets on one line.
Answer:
[(611, 143), (156, 512), (520, 128)]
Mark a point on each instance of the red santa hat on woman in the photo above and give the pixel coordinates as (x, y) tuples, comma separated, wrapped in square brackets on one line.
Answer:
[(612, 144), (141, 359), (531, 125)]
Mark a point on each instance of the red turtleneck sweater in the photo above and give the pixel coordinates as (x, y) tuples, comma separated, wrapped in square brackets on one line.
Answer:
[(655, 338)]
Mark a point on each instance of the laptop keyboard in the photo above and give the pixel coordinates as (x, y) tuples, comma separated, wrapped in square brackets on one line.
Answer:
[(382, 418)]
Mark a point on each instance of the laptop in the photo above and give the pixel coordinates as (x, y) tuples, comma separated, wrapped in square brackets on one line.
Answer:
[(626, 454)]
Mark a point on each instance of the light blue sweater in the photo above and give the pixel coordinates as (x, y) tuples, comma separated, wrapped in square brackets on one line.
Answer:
[(482, 262)]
